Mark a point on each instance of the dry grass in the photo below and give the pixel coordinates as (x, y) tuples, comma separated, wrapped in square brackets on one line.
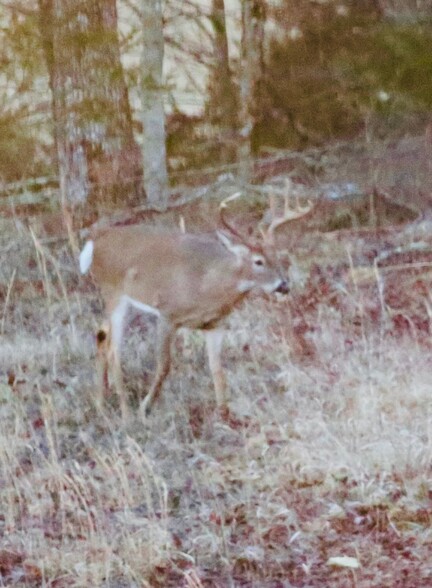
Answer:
[(319, 456)]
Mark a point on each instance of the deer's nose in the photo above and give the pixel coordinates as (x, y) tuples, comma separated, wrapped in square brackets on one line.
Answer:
[(283, 287)]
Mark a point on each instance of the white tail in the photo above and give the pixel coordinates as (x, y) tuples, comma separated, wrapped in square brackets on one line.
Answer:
[(186, 280), (86, 257)]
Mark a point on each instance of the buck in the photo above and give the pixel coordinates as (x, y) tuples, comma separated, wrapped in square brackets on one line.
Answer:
[(186, 280)]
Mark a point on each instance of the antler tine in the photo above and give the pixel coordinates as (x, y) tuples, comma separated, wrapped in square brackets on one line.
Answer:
[(289, 213), (234, 196), (222, 209)]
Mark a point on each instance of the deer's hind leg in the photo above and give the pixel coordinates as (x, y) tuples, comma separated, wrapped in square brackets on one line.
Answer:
[(164, 340), (114, 355), (108, 340), (103, 337)]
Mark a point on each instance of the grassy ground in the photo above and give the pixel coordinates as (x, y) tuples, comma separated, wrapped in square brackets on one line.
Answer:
[(324, 453)]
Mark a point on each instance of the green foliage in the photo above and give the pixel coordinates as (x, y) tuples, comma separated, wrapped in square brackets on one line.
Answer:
[(23, 95), (339, 69), (187, 145), (21, 154), (20, 48), (400, 62)]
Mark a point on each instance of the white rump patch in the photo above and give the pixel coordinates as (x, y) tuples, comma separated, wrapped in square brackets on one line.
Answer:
[(86, 257)]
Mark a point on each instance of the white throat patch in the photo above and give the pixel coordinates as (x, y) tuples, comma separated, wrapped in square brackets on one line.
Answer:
[(245, 285), (269, 288)]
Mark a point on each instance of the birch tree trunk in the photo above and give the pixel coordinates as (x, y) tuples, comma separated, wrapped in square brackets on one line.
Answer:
[(153, 116), (251, 72), (98, 159)]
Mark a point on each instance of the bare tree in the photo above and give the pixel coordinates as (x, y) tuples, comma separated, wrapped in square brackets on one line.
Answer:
[(223, 102), (98, 159), (153, 117), (251, 70)]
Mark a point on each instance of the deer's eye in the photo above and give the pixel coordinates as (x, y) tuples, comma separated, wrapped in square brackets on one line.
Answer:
[(258, 261)]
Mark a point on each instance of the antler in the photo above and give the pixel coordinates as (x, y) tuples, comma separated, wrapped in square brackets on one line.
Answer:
[(222, 209), (289, 213)]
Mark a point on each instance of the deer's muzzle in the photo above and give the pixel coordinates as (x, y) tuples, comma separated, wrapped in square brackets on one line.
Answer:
[(283, 287)]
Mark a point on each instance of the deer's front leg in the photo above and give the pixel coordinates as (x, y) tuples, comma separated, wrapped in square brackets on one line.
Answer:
[(214, 340)]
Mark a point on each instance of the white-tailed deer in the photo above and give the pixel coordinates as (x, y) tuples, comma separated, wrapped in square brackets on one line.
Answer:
[(186, 280)]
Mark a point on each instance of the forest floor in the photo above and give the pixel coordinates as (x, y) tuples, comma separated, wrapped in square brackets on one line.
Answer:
[(318, 475)]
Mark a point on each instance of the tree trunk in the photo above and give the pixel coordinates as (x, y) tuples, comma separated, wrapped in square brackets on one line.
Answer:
[(153, 116), (222, 106), (98, 159), (251, 72)]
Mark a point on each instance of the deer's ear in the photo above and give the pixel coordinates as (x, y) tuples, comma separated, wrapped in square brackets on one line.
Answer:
[(240, 251), (224, 240)]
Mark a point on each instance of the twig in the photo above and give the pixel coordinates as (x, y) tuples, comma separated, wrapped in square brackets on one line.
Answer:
[(6, 304)]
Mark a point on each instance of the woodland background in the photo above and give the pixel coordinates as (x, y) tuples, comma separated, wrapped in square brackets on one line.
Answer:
[(320, 472), (101, 96)]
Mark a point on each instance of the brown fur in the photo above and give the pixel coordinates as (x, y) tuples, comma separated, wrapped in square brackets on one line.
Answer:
[(192, 281)]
